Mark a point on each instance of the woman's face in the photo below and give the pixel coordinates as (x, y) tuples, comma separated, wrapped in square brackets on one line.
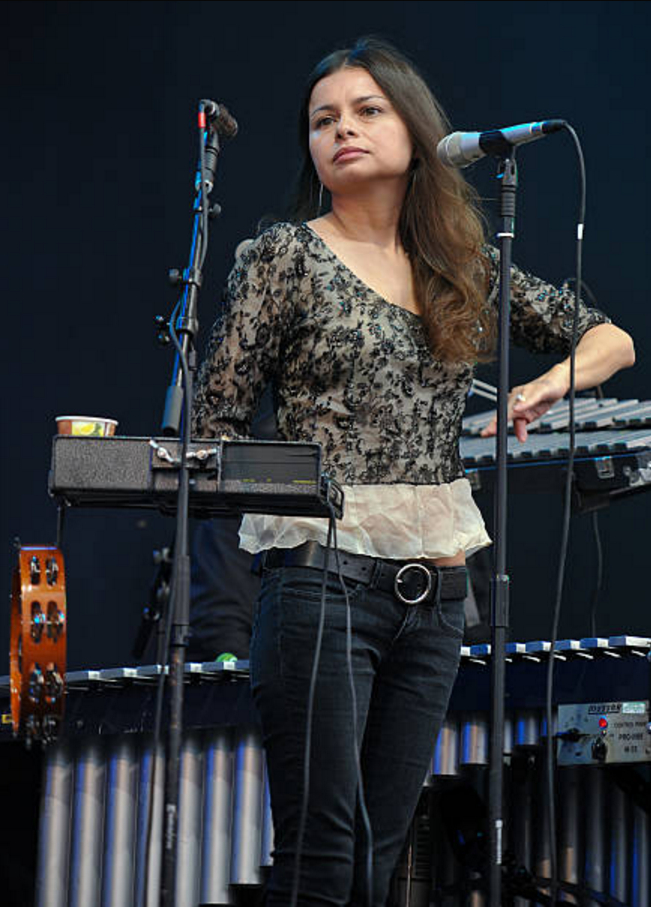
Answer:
[(356, 137)]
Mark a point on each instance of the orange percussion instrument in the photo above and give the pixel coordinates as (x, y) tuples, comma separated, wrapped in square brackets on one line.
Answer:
[(37, 653)]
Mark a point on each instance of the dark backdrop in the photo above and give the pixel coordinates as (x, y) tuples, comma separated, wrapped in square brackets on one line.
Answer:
[(98, 156)]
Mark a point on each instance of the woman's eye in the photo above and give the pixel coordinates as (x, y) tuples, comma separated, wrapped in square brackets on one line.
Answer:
[(371, 111), (323, 121)]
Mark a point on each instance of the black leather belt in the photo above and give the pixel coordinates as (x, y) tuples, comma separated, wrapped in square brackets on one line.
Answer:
[(412, 582)]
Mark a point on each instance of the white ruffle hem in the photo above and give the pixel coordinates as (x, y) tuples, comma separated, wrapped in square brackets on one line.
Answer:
[(401, 522)]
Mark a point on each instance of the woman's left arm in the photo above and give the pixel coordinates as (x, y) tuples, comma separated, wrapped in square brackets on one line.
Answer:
[(603, 350)]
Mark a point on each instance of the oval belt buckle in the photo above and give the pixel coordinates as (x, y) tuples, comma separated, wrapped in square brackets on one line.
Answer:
[(399, 578)]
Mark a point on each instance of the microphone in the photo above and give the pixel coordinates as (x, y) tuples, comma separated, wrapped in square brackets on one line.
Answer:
[(214, 121), (220, 119), (459, 149)]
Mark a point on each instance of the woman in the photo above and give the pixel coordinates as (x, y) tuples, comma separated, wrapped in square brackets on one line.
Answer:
[(368, 320)]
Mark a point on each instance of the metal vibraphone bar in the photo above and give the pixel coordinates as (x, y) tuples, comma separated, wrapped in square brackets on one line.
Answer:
[(92, 837), (590, 413)]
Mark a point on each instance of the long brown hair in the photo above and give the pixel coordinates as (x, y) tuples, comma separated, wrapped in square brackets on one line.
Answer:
[(441, 226)]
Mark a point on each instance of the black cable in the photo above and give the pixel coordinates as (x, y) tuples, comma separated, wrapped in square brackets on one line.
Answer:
[(594, 516), (565, 532), (181, 539), (308, 722), (596, 595), (158, 709), (331, 543), (151, 790), (599, 579), (353, 695), (593, 302)]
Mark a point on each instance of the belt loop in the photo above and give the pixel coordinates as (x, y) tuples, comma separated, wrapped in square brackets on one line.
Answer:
[(437, 592), (376, 573), (258, 563)]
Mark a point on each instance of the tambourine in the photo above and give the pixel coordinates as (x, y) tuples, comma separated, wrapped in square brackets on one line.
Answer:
[(37, 653)]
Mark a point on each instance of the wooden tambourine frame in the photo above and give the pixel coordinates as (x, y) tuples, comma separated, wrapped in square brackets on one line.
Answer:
[(38, 643)]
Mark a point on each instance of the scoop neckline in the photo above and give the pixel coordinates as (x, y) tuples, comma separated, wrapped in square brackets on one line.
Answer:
[(359, 280)]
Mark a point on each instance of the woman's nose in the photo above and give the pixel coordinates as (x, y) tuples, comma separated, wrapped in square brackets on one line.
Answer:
[(345, 126)]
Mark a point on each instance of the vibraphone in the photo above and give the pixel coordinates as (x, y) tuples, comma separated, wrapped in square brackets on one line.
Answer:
[(92, 836), (613, 451), (92, 824)]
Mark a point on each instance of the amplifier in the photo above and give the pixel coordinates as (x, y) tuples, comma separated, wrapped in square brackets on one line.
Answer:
[(280, 477)]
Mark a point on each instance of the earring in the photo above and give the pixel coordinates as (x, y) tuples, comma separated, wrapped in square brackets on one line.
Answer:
[(318, 212)]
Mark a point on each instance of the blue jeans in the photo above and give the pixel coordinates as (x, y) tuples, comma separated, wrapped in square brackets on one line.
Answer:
[(404, 660)]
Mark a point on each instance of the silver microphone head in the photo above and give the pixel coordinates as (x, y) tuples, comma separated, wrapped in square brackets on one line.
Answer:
[(459, 149)]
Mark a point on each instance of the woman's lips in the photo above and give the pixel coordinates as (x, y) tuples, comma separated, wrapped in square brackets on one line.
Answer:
[(349, 151)]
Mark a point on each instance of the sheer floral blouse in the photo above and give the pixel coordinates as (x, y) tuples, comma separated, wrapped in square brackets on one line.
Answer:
[(354, 373)]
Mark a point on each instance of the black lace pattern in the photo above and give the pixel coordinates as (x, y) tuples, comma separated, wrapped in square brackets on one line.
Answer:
[(350, 370)]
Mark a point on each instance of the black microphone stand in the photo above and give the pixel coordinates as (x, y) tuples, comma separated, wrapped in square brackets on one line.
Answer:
[(178, 408), (508, 180)]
